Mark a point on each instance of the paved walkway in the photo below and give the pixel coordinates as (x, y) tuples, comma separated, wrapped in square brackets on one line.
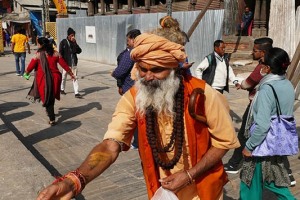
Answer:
[(32, 151)]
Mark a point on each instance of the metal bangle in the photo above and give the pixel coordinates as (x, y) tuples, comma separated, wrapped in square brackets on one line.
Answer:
[(189, 176)]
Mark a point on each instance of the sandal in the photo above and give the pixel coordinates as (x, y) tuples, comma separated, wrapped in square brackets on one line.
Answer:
[(52, 123)]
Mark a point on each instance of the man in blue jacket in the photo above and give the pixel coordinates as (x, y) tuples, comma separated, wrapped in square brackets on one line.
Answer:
[(122, 72)]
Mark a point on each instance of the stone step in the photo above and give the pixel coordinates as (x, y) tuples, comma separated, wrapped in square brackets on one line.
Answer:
[(239, 46), (241, 54)]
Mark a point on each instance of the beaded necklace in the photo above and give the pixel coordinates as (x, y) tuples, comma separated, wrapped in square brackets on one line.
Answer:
[(176, 141)]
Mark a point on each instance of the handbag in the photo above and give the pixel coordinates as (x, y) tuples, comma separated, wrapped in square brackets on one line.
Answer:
[(282, 137)]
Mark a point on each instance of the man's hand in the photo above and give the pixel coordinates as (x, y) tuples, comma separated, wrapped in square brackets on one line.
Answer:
[(120, 91), (246, 153), (73, 77), (238, 86), (61, 190), (175, 182), (187, 65), (26, 76)]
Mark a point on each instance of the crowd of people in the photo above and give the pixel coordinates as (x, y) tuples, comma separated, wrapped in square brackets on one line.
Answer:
[(180, 124)]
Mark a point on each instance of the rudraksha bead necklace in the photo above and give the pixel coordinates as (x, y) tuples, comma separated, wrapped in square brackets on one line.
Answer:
[(175, 144)]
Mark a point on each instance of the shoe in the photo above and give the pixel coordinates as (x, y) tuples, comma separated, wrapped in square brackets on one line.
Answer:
[(52, 123), (63, 92), (292, 179), (133, 147), (230, 169), (18, 74), (78, 96)]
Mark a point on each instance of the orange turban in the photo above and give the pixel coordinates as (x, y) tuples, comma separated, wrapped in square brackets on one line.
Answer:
[(157, 51)]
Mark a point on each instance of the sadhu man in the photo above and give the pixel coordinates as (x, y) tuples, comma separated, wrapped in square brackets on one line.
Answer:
[(183, 133)]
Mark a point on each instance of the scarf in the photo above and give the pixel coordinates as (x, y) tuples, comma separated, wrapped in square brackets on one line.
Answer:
[(48, 79), (266, 79), (33, 93)]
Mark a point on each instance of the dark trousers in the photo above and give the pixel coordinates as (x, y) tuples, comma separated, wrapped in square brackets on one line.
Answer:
[(50, 110), (237, 156), (135, 142)]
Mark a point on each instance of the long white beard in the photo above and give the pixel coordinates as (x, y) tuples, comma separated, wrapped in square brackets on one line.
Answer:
[(157, 93)]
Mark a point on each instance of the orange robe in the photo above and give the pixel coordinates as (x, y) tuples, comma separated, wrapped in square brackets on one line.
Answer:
[(199, 138), (199, 143)]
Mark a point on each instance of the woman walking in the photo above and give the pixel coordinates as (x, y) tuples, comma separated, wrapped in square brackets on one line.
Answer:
[(46, 85), (267, 171)]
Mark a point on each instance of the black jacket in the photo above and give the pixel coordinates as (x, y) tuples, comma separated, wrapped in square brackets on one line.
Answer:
[(209, 74), (69, 49)]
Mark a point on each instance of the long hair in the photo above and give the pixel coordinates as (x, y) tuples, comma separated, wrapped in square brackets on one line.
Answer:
[(169, 22), (170, 29), (45, 46)]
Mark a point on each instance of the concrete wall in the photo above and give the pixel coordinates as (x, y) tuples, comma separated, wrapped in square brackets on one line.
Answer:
[(111, 33)]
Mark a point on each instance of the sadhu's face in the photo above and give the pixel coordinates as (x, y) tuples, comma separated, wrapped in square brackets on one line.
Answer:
[(150, 73)]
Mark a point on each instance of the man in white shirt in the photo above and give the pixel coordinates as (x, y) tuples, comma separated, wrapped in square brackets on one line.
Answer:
[(215, 69)]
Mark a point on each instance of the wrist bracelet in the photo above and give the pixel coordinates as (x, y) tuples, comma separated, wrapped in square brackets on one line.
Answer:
[(77, 189), (189, 176), (76, 177)]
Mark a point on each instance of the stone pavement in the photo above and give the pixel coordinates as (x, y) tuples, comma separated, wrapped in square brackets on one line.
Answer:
[(32, 152)]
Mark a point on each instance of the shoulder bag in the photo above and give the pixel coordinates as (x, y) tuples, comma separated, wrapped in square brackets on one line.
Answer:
[(282, 137)]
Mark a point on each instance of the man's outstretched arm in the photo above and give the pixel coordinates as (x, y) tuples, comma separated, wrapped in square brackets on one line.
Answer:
[(98, 160)]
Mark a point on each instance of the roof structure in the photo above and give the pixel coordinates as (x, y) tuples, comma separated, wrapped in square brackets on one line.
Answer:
[(15, 17), (37, 5)]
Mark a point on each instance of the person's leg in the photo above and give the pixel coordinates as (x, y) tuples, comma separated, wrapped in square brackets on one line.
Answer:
[(135, 144), (288, 168), (238, 28), (237, 156), (244, 32), (17, 60), (23, 58), (255, 190), (283, 193), (50, 111), (221, 91), (63, 81), (75, 82)]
